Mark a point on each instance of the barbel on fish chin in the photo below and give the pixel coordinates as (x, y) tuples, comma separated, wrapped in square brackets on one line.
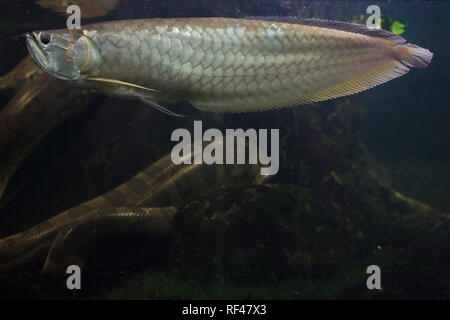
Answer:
[(224, 64)]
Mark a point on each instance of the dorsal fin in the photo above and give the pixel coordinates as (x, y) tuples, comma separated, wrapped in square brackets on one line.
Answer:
[(337, 25)]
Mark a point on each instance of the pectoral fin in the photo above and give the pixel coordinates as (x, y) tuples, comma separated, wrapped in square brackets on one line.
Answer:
[(159, 107), (121, 83), (144, 94)]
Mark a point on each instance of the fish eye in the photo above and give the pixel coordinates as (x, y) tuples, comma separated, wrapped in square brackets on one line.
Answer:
[(45, 38)]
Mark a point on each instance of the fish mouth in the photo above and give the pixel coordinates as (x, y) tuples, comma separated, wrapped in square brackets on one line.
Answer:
[(36, 52)]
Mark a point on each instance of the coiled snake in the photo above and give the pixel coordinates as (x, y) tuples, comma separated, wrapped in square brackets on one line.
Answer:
[(146, 204)]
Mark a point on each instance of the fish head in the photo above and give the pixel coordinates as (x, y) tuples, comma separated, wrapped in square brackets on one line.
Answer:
[(64, 54)]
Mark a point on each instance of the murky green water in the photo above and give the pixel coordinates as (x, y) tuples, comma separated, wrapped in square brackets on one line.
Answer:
[(363, 180)]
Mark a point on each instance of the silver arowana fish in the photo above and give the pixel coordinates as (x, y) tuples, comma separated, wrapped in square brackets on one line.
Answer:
[(224, 64)]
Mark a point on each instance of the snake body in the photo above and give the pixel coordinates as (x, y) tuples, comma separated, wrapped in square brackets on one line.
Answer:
[(22, 72), (145, 204), (161, 186)]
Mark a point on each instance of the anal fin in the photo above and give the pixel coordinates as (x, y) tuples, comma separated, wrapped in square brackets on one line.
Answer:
[(120, 88)]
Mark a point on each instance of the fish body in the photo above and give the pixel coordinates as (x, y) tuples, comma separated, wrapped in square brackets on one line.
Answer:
[(225, 64)]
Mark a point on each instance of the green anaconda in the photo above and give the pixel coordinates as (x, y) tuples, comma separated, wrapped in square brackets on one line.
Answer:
[(144, 204)]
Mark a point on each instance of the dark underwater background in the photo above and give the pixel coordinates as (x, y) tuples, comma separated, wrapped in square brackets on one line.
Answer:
[(328, 214)]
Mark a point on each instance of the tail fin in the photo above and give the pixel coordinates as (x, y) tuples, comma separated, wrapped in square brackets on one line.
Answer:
[(415, 56)]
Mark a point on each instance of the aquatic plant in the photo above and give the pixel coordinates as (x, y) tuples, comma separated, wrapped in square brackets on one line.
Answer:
[(397, 28)]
